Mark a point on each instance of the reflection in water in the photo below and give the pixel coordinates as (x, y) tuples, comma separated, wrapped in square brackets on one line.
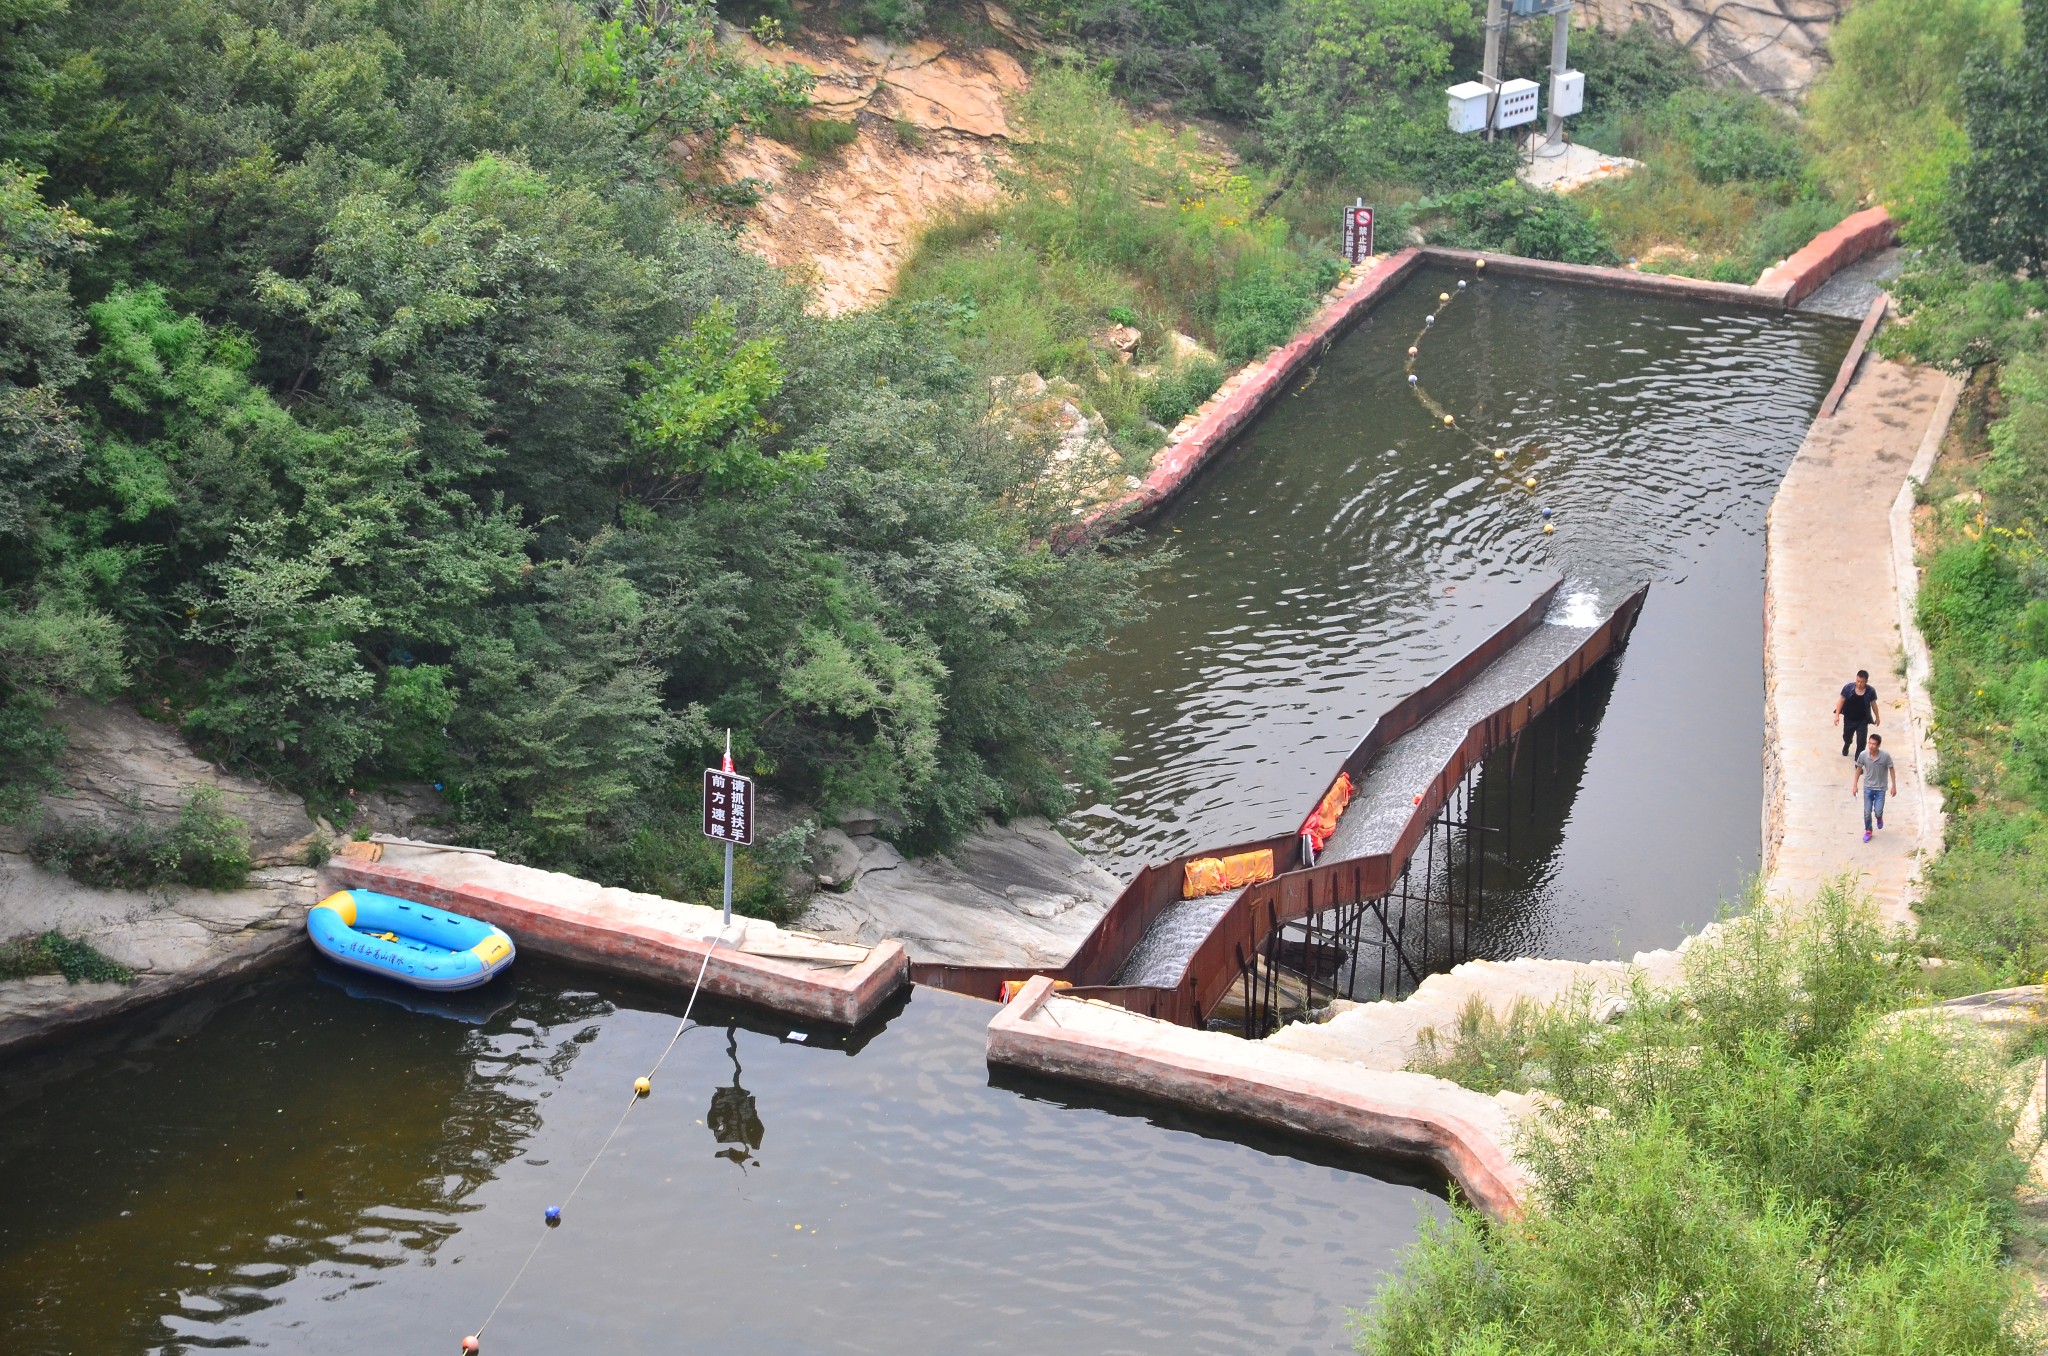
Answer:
[(1348, 549), (282, 1166), (734, 1120)]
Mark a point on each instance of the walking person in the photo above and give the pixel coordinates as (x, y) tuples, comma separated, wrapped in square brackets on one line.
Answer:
[(1873, 769), (1856, 708)]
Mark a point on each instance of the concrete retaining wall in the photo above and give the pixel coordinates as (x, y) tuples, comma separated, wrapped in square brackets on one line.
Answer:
[(1827, 254), (644, 936), (1465, 1134), (1249, 391)]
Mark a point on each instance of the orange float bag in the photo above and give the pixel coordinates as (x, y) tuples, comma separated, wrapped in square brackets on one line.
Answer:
[(1213, 875), (1202, 876), (1323, 821)]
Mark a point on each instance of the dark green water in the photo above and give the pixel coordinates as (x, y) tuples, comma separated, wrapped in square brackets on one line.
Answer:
[(1350, 548), (290, 1168)]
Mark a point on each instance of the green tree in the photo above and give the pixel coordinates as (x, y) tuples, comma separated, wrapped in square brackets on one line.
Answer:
[(1888, 109), (2001, 190), (1341, 66), (704, 412)]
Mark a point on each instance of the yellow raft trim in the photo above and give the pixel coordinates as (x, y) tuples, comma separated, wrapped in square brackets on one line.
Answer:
[(493, 949), (343, 903)]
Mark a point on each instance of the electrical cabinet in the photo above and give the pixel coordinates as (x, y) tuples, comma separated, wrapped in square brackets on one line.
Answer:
[(1468, 107), (1517, 103), (1567, 93)]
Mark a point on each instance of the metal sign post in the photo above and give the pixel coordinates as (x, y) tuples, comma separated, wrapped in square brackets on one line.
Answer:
[(728, 813)]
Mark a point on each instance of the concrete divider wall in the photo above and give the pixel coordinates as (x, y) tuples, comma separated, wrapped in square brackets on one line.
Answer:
[(1464, 1134), (645, 936)]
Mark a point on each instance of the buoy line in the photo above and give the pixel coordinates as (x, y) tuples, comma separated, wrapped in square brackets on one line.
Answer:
[(642, 1086), (1444, 417)]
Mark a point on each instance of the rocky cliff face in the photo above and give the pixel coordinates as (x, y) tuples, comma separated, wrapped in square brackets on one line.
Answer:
[(932, 130), (116, 764), (1775, 47)]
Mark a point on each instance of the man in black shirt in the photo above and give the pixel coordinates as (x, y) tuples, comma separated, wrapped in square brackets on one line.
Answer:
[(1856, 708)]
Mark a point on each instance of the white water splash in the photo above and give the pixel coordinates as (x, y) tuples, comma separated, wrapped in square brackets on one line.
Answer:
[(1581, 609)]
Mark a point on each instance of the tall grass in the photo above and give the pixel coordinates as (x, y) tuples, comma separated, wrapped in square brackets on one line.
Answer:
[(1103, 220), (1765, 1161), (1727, 188)]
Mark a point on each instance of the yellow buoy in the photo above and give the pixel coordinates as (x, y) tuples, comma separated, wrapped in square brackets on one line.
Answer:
[(1443, 296), (642, 1086), (1530, 483), (1500, 454), (1482, 263), (1411, 350), (1448, 421), (1548, 529)]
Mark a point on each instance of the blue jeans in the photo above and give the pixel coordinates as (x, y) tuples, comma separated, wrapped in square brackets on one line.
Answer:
[(1873, 804)]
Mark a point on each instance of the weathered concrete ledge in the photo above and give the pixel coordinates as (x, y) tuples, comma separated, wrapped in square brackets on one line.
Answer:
[(1466, 1134), (645, 936), (1248, 393), (176, 940), (1827, 254)]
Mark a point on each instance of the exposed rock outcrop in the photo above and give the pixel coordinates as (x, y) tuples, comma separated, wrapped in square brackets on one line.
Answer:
[(1775, 47), (933, 128), (116, 762), (1015, 894)]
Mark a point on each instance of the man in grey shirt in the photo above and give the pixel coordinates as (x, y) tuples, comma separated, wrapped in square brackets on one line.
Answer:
[(1873, 769)]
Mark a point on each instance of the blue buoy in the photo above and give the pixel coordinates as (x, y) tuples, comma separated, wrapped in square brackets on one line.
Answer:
[(1546, 513), (1429, 320), (1413, 379), (553, 1214), (1461, 284)]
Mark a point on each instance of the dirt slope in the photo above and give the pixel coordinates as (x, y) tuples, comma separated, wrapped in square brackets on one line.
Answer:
[(932, 131)]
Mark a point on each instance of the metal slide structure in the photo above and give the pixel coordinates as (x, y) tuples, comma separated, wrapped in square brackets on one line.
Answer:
[(1307, 930)]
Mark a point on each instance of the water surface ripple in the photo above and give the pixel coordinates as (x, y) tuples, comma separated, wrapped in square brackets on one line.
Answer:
[(290, 1167)]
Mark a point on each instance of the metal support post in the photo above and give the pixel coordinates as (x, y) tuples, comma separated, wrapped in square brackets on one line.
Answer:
[(1489, 70), (1560, 34)]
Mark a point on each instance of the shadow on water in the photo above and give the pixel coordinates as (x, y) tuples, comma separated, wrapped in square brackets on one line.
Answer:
[(277, 1163)]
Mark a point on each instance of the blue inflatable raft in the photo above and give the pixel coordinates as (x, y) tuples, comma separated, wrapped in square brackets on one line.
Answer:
[(426, 948)]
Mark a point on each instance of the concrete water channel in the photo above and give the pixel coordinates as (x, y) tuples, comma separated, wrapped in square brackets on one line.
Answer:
[(1350, 547), (291, 1165)]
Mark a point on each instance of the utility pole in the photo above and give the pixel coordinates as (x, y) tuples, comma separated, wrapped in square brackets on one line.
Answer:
[(1560, 34), (1489, 70)]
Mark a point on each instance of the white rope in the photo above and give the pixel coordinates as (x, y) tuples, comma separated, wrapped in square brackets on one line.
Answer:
[(681, 1027)]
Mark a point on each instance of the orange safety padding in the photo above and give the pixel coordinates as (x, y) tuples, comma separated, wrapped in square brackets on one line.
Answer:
[(1247, 868), (1323, 821), (1202, 876), (1213, 875)]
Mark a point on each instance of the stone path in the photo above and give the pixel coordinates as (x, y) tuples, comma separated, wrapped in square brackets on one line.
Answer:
[(1833, 604)]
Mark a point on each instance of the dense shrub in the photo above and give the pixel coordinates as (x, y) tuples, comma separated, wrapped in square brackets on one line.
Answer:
[(1178, 391), (1516, 219), (1764, 1161), (52, 953), (1105, 219), (205, 847)]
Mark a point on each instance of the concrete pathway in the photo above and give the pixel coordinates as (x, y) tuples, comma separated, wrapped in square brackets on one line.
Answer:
[(1835, 601)]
